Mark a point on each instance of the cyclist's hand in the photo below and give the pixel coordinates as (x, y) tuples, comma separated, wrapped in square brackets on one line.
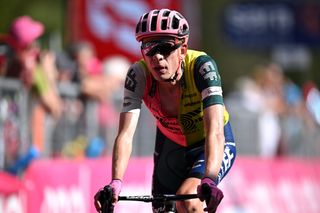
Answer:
[(100, 198), (209, 192), (116, 186), (106, 197)]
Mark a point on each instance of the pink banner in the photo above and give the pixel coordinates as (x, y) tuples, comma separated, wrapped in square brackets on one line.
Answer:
[(60, 186), (278, 185), (11, 194), (65, 185), (253, 185)]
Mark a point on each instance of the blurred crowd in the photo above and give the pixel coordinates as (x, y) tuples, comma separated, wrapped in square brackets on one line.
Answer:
[(284, 116), (68, 88), (60, 86)]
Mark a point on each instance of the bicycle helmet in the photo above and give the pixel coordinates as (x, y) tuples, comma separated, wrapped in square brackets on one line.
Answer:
[(162, 22)]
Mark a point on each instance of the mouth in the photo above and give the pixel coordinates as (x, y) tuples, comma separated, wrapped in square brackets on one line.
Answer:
[(160, 69)]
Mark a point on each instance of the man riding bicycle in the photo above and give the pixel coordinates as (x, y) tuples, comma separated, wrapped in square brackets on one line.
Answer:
[(194, 147)]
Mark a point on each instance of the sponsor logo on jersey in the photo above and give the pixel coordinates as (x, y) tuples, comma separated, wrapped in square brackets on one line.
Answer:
[(131, 82), (207, 70), (189, 120), (171, 124), (214, 90)]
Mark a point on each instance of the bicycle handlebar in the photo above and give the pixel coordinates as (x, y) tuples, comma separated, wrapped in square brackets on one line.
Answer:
[(107, 207), (105, 195), (159, 198)]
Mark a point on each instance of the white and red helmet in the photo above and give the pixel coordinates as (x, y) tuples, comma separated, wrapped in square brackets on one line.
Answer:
[(162, 22)]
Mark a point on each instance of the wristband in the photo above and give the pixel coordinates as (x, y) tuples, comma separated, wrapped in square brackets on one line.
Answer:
[(116, 185), (208, 181)]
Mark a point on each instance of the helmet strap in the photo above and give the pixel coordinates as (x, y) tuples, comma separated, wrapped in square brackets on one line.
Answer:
[(177, 76)]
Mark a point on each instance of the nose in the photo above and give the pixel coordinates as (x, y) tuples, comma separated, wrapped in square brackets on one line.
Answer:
[(157, 57)]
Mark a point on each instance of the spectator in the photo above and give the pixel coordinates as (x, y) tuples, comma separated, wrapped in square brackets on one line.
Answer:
[(35, 69), (80, 67), (89, 70), (114, 70), (26, 62), (292, 115), (98, 81), (276, 103), (311, 96), (269, 78)]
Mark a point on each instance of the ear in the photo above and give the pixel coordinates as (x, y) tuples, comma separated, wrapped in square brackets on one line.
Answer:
[(183, 51)]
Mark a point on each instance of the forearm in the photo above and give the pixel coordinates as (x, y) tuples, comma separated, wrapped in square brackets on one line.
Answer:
[(123, 144), (214, 150), (120, 158), (52, 103), (214, 146)]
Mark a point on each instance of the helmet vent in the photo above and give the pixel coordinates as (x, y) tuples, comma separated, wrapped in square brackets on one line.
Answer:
[(145, 16), (185, 29), (166, 13), (164, 24), (154, 23), (175, 23), (144, 23), (144, 26)]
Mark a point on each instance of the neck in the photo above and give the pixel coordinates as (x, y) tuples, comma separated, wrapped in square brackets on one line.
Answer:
[(172, 85)]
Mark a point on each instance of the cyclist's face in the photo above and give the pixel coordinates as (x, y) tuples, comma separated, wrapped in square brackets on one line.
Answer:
[(163, 56)]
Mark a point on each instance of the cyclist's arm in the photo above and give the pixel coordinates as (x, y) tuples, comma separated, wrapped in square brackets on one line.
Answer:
[(208, 82), (133, 94), (214, 122), (123, 143)]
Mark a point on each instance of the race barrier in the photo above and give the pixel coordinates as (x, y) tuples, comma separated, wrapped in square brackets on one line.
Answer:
[(284, 185)]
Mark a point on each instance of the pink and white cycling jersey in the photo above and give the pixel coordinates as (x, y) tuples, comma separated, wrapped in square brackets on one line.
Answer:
[(201, 88)]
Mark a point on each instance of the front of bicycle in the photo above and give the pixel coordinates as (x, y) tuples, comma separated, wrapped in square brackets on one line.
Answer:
[(168, 200), (105, 200)]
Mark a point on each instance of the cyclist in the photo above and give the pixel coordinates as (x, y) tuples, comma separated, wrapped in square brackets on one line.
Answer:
[(194, 146)]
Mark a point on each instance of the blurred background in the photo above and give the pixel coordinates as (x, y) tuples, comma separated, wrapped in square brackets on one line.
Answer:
[(62, 67)]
